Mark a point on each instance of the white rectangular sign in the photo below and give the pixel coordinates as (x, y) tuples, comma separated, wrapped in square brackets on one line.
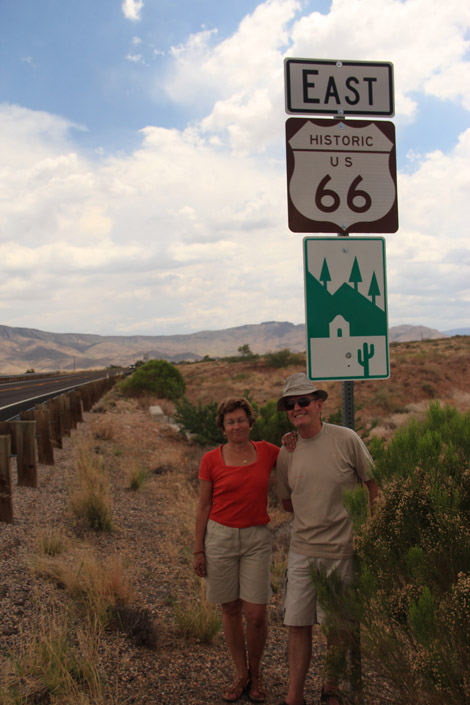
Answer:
[(328, 87), (346, 308)]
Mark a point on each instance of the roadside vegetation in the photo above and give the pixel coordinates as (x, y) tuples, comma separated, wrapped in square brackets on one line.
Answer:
[(114, 592), (412, 595), (157, 377)]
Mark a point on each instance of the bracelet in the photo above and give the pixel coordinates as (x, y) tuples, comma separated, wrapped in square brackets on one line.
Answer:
[(196, 552)]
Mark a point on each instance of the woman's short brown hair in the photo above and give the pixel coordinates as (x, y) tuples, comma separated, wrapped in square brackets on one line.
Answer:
[(231, 404)]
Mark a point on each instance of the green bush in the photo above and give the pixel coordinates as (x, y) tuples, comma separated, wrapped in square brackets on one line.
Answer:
[(412, 594), (200, 421), (283, 358), (157, 377), (271, 425)]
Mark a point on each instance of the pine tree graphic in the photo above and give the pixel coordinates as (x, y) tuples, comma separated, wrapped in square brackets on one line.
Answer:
[(325, 274), (355, 276), (373, 288)]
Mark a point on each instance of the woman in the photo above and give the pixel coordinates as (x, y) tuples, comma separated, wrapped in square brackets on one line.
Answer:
[(233, 545)]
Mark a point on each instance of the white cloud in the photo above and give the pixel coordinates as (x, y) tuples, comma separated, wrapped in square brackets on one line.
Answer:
[(135, 58), (132, 9), (239, 81), (28, 60), (190, 230)]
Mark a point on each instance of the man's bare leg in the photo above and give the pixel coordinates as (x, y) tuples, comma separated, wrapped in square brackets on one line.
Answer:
[(300, 655)]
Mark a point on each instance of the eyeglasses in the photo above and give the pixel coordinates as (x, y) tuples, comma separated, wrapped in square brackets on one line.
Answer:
[(231, 422), (289, 404)]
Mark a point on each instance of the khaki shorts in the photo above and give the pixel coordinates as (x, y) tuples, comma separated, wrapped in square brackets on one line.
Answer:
[(237, 563), (301, 608)]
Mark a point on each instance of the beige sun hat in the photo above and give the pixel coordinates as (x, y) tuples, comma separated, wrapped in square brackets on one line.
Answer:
[(299, 384)]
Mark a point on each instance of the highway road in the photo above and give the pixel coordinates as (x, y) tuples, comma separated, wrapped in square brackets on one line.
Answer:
[(27, 393)]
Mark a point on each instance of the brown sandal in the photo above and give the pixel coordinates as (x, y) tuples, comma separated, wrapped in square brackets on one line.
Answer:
[(256, 693), (236, 689)]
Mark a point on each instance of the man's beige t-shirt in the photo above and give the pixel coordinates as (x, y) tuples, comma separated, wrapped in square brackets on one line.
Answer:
[(314, 478)]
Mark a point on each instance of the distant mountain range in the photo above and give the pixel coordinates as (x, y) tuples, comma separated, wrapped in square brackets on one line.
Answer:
[(26, 348)]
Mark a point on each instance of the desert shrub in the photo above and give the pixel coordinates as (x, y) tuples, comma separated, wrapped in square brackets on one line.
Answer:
[(200, 421), (246, 352), (283, 358), (413, 588), (336, 417), (157, 377), (271, 425), (138, 624)]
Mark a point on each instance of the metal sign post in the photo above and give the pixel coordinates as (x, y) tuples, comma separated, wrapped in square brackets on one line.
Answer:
[(341, 178), (347, 389)]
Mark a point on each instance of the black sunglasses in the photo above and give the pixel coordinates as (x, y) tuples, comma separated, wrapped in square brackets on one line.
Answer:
[(289, 404)]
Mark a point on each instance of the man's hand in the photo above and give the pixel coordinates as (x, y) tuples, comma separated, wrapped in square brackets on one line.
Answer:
[(289, 440)]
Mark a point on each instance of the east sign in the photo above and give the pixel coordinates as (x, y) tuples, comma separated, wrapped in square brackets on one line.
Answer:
[(326, 87)]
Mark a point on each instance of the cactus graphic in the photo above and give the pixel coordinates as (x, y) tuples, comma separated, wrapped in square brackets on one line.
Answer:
[(363, 358)]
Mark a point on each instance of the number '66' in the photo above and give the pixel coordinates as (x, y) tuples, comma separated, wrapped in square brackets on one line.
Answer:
[(353, 194)]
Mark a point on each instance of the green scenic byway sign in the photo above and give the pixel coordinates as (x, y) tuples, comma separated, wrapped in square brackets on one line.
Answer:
[(346, 308)]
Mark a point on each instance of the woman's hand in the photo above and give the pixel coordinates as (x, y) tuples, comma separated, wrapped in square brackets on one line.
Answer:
[(199, 564), (289, 440)]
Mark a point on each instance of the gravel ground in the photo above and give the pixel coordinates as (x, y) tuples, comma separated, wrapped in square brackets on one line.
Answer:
[(152, 536)]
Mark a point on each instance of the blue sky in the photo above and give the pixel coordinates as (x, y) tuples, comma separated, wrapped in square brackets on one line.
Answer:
[(143, 184)]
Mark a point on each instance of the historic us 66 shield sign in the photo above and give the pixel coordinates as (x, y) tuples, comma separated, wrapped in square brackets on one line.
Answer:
[(341, 176)]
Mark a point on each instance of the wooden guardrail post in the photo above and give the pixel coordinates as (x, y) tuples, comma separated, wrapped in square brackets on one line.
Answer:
[(56, 422), (6, 505), (26, 455), (64, 402), (23, 445), (86, 398), (7, 428), (76, 400), (43, 432), (72, 411)]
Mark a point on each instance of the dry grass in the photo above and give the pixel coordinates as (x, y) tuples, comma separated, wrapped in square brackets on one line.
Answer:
[(103, 428), (97, 586), (90, 492), (198, 619), (136, 475), (176, 487), (278, 569), (57, 664), (51, 541)]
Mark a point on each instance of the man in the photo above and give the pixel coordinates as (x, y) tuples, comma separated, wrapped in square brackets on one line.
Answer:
[(327, 460)]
